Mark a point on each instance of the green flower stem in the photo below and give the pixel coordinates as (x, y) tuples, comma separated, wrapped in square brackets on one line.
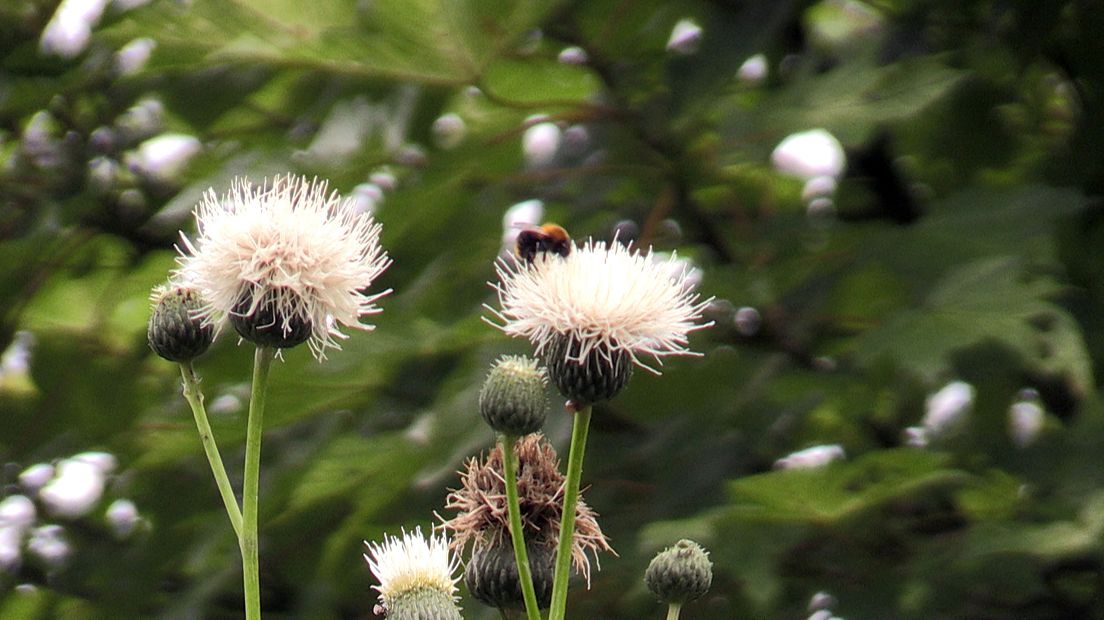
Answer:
[(262, 361), (673, 611), (567, 525), (194, 396), (521, 555)]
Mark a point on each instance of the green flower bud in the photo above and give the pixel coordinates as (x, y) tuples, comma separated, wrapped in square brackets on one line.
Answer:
[(175, 332), (513, 400), (492, 575), (680, 573), (423, 604), (274, 322), (601, 375)]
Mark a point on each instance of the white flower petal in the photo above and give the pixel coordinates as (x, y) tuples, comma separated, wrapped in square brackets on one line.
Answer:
[(290, 235), (411, 562), (608, 298)]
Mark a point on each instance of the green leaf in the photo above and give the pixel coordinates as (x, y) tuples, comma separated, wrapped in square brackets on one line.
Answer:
[(990, 299), (851, 101), (841, 490)]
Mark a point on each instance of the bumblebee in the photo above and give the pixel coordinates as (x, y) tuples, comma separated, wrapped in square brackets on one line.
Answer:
[(545, 238)]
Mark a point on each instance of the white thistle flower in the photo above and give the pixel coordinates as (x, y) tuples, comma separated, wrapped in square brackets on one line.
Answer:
[(608, 299), (291, 243), (411, 563)]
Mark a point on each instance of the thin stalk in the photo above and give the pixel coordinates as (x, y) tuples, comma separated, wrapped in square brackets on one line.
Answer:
[(673, 611), (521, 555), (567, 526), (262, 361), (194, 396)]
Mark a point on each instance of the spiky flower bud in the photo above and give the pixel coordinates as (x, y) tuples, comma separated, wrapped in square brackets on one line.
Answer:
[(513, 400), (492, 574), (175, 332), (268, 323), (680, 573), (595, 377), (423, 604)]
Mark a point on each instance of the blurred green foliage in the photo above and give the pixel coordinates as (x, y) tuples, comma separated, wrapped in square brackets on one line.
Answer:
[(964, 243)]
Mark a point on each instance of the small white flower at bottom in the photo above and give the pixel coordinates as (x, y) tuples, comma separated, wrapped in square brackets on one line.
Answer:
[(412, 562)]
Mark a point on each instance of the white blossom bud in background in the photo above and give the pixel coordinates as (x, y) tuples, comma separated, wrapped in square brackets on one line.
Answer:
[(524, 213), (36, 476), (11, 546), (132, 57), (16, 359), (821, 600), (820, 208), (685, 37), (366, 198), (947, 408), (141, 120), (810, 154), (754, 71), (75, 490), (1025, 421), (49, 545), (17, 511), (818, 187), (104, 461), (164, 157), (811, 458), (748, 321), (449, 131), (68, 32), (122, 516), (102, 174), (384, 179), (540, 143), (573, 56), (576, 138)]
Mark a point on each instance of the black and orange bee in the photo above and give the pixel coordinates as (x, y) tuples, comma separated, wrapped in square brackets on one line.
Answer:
[(550, 238)]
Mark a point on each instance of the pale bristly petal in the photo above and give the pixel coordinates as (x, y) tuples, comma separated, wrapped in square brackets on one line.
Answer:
[(609, 298), (292, 240)]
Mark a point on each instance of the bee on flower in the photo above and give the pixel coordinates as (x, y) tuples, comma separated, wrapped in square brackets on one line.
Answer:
[(596, 311)]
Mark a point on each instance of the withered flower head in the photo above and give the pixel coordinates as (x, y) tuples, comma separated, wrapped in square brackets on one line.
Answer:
[(482, 517)]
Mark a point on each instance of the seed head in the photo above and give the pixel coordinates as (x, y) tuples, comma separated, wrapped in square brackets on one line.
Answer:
[(482, 516)]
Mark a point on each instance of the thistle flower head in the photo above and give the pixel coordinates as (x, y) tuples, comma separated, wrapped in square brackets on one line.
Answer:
[(286, 259), (605, 300), (411, 567), (482, 516)]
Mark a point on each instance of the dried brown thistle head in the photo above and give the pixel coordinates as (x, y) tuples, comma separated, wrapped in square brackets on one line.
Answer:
[(482, 517)]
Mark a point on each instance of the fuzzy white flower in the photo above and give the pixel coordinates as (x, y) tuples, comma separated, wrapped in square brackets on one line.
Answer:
[(608, 299), (403, 565), (289, 248)]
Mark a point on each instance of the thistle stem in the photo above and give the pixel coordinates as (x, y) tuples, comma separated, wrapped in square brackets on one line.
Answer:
[(673, 611), (262, 361), (567, 525), (521, 555), (194, 396)]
